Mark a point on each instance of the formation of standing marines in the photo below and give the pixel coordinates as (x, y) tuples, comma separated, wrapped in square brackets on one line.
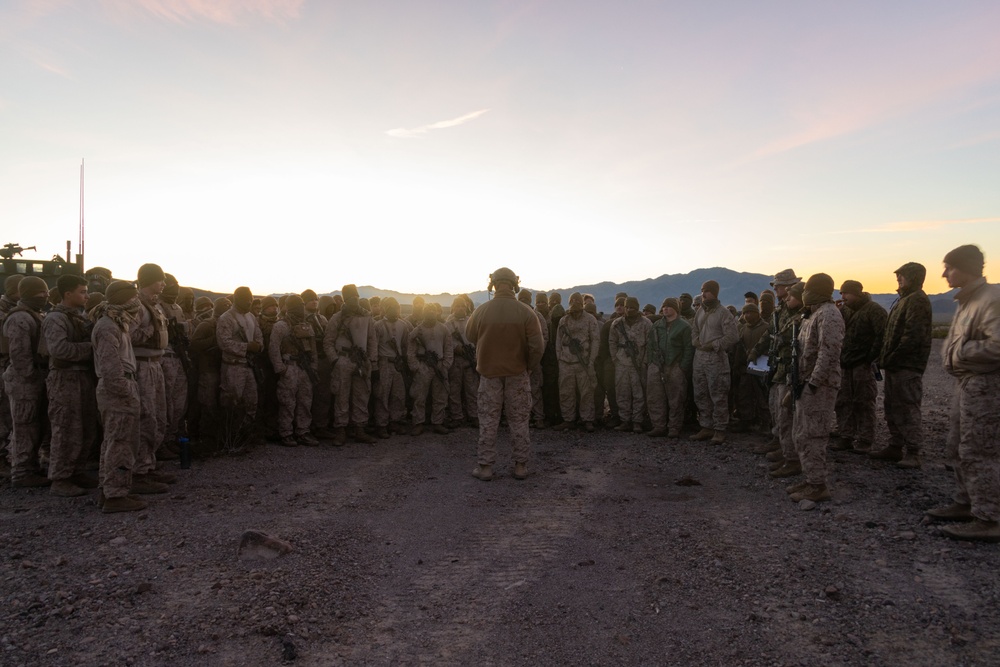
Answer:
[(123, 377)]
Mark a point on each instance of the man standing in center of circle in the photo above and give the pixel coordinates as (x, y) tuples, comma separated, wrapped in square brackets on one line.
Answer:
[(508, 342)]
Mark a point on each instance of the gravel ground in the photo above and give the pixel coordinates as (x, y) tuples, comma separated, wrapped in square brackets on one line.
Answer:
[(599, 558)]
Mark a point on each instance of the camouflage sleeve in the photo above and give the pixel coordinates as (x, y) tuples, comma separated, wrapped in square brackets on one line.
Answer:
[(19, 328), (330, 337), (411, 350), (447, 348), (278, 334), (614, 339), (984, 350), (227, 339), (58, 330), (107, 359), (536, 340), (203, 337), (372, 342), (141, 330), (594, 332), (830, 338), (730, 334)]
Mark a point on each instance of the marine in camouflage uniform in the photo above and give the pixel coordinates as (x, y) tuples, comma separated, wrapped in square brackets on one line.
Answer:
[(24, 381), (750, 396), (117, 397), (535, 373), (149, 341), (509, 342), (551, 368), (292, 350), (463, 380), (351, 345), (576, 343), (429, 355), (971, 354), (864, 322), (604, 370), (207, 359), (627, 345), (7, 303), (906, 347), (70, 385), (713, 334), (786, 457), (820, 339), (669, 355), (323, 397), (392, 333), (240, 340), (174, 364)]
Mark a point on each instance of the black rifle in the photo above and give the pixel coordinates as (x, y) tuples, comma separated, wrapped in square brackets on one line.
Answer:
[(179, 343), (794, 372), (303, 358), (773, 348), (398, 362), (431, 358), (468, 350), (631, 349), (255, 368)]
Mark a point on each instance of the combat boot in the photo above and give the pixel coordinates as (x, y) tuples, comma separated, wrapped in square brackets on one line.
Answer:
[(657, 433), (64, 488), (953, 512), (614, 422), (381, 432), (718, 437), (910, 462), (637, 428), (126, 504), (162, 477), (539, 424), (673, 435), (861, 447), (84, 480), (440, 429), (890, 453), (339, 438), (776, 455), (483, 473), (32, 481), (841, 443), (771, 445), (814, 492), (789, 469), (562, 426), (702, 435), (588, 427), (361, 436), (976, 530), (308, 440), (777, 464), (416, 430), (289, 441), (145, 485), (520, 470), (795, 488), (624, 427)]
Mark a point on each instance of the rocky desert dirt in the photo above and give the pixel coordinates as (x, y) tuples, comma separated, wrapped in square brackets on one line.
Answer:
[(617, 550)]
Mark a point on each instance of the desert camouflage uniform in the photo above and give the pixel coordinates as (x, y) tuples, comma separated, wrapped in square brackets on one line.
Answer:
[(751, 402), (820, 339), (713, 334), (237, 386), (669, 355), (630, 373), (267, 399), (906, 347), (351, 383), (322, 395), (604, 373), (24, 381), (971, 354), (119, 405), (463, 381), (175, 381), (536, 376), (149, 340), (781, 410), (391, 405), (576, 374), (70, 385), (6, 424), (294, 390), (207, 358), (864, 326), (427, 378)]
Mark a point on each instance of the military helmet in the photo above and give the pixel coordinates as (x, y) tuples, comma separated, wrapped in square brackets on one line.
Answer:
[(506, 275)]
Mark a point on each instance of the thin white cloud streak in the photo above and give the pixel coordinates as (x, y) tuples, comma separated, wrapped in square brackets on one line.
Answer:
[(228, 12), (404, 133), (976, 141), (917, 226)]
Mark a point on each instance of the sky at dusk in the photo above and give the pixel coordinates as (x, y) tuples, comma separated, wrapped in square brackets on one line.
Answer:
[(418, 146)]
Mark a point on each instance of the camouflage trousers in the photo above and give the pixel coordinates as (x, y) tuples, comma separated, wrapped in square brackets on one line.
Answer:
[(294, 401), (391, 394), (208, 400), (6, 423), (73, 420), (463, 387), (152, 414), (904, 392), (606, 377), (814, 415), (27, 401), (666, 393), (175, 397), (322, 394), (510, 395), (576, 390), (752, 401), (426, 382), (856, 404), (711, 389), (238, 389), (537, 404), (973, 446), (630, 393), (120, 421), (350, 393), (783, 420)]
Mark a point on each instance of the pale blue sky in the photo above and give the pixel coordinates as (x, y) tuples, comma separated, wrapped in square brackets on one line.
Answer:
[(419, 146)]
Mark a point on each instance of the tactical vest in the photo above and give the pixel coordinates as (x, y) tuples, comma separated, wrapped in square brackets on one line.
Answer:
[(303, 332), (159, 339), (38, 348)]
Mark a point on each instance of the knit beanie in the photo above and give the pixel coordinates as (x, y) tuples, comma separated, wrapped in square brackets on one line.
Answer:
[(852, 287), (149, 274), (967, 259), (671, 302), (711, 287), (120, 292)]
